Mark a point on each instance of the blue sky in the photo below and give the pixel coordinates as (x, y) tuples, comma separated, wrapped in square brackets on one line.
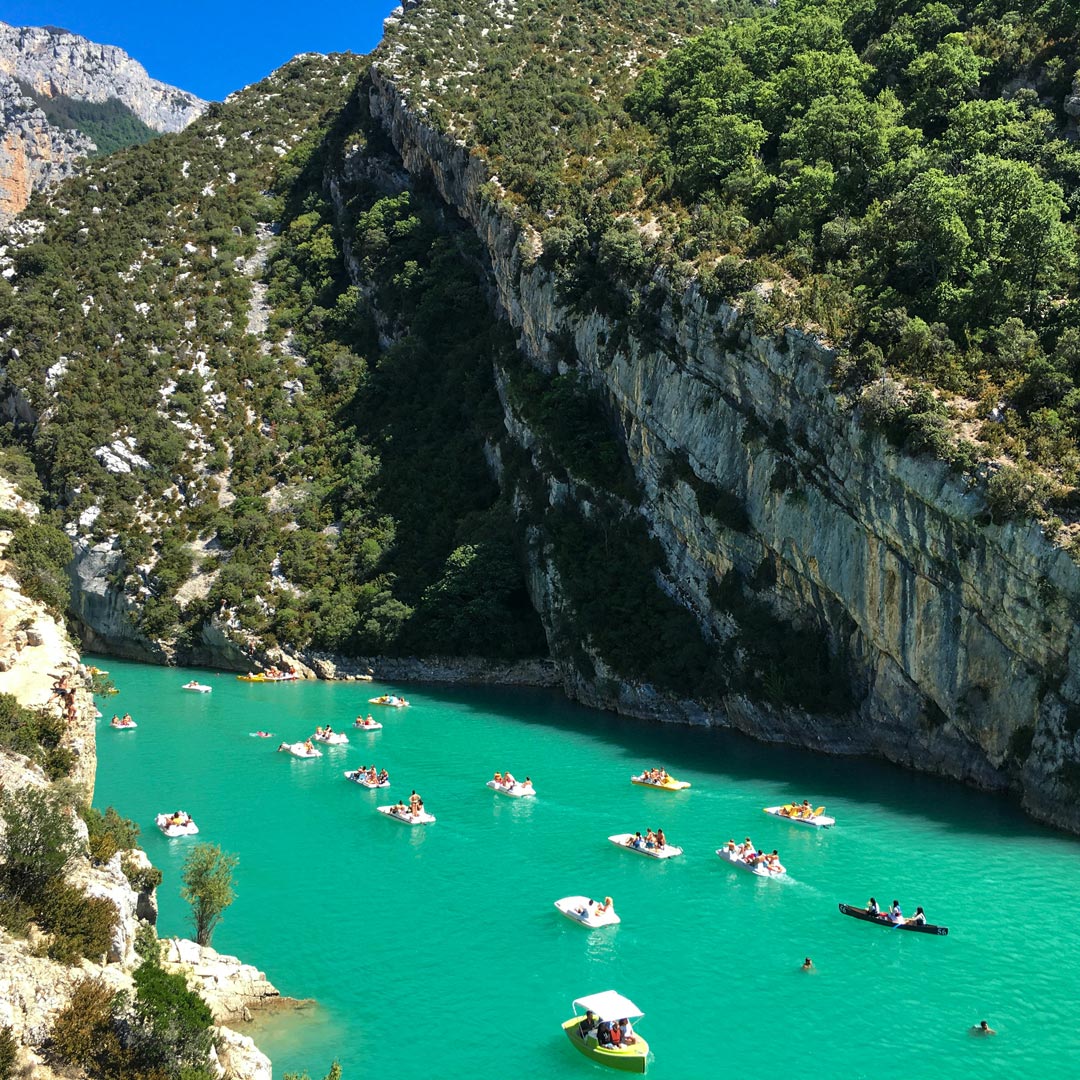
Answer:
[(211, 48)]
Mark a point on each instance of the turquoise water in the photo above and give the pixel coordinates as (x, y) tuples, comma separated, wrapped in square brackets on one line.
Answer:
[(436, 953)]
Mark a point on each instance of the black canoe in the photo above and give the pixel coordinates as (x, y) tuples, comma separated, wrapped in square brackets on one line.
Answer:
[(883, 920)]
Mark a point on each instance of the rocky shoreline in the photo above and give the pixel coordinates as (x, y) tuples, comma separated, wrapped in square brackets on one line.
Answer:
[(37, 658)]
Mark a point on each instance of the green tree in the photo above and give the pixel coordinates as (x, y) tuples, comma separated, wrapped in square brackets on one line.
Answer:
[(208, 887)]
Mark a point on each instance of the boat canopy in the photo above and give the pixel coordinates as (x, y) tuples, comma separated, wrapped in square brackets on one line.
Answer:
[(609, 1005)]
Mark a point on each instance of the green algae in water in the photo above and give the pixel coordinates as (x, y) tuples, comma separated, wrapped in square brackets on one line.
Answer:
[(437, 952)]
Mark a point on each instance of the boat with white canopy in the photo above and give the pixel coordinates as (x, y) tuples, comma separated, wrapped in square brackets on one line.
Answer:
[(591, 1031)]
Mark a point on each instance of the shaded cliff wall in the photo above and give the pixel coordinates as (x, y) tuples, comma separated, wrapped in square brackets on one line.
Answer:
[(959, 637)]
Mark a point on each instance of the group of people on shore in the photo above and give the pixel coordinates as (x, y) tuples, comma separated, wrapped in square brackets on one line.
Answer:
[(894, 915), (650, 840), (746, 852)]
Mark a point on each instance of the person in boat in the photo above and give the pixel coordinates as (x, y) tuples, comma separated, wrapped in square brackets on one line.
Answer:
[(307, 745), (127, 719), (508, 779), (773, 863), (731, 848), (319, 732), (807, 964), (635, 841), (873, 909), (895, 914), (918, 919), (527, 782), (416, 804), (626, 1032), (605, 907), (661, 839), (982, 1028), (603, 1033), (806, 810), (650, 838), (383, 776), (588, 1023), (498, 778)]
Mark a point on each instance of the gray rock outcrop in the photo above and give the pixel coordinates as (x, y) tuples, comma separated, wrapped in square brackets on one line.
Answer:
[(53, 62), (33, 152)]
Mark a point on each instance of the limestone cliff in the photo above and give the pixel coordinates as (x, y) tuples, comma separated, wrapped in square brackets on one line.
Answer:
[(35, 655), (33, 153), (958, 637), (50, 62), (55, 62)]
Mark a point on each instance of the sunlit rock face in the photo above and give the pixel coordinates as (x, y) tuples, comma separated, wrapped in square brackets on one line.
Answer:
[(959, 636), (50, 62)]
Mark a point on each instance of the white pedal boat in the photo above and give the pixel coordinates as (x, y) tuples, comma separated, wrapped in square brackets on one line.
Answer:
[(165, 823), (298, 749), (817, 820), (516, 790), (423, 818), (335, 738), (758, 869), (198, 687), (363, 725), (622, 840), (361, 778), (585, 910)]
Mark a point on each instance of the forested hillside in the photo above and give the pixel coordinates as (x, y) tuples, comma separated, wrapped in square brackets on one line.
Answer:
[(263, 457)]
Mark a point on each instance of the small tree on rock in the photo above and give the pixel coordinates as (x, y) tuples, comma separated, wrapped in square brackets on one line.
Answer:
[(208, 887)]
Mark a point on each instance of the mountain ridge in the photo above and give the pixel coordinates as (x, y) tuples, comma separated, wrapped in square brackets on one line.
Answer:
[(39, 65)]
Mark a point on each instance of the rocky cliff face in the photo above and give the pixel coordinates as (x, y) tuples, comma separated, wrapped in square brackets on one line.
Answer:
[(35, 153), (959, 637), (55, 62), (35, 652)]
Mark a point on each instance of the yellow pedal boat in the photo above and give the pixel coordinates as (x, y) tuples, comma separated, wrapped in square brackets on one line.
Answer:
[(584, 1030)]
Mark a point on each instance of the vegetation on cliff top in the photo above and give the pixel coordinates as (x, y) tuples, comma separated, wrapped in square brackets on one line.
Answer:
[(903, 179)]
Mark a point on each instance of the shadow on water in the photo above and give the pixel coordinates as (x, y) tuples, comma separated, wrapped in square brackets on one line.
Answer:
[(791, 771)]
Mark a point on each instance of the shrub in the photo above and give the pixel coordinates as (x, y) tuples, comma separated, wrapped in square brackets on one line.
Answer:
[(109, 833), (142, 878), (37, 843), (82, 1033), (172, 1023), (81, 925), (8, 1050)]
